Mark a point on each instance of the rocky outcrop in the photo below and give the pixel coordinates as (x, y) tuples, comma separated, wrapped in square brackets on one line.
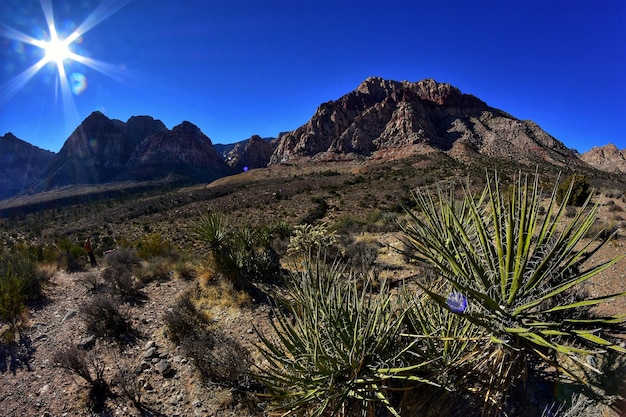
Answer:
[(383, 115), (98, 150), (606, 158), (20, 164), (252, 153), (182, 154)]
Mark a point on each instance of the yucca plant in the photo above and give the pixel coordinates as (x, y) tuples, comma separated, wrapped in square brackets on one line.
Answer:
[(515, 274), (241, 254), (445, 342), (336, 345)]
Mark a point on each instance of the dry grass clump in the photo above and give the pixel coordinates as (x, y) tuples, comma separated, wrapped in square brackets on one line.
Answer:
[(219, 358)]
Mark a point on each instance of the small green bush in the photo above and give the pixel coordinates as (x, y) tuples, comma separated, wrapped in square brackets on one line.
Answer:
[(20, 283), (72, 256), (574, 190), (154, 245)]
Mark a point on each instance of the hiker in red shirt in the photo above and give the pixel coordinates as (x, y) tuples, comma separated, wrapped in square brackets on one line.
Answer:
[(89, 250)]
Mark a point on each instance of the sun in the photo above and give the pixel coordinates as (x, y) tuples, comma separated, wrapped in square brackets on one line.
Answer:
[(57, 51)]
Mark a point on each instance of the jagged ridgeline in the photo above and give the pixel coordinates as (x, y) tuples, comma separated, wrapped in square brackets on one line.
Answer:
[(381, 119)]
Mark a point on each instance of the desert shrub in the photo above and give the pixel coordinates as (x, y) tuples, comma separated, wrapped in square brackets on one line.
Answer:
[(219, 358), (89, 367), (11, 299), (20, 283), (26, 271), (361, 255), (125, 257), (121, 281), (334, 346), (308, 239), (119, 273), (514, 275), (102, 317), (317, 212), (348, 224), (575, 190), (72, 256), (131, 388), (603, 230), (157, 269), (90, 281), (81, 363), (154, 245), (612, 207), (182, 318)]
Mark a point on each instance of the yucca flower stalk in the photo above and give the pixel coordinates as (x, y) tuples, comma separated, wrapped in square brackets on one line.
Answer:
[(336, 344), (520, 272)]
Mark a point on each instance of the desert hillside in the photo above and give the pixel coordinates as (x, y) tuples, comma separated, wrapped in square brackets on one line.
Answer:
[(164, 325)]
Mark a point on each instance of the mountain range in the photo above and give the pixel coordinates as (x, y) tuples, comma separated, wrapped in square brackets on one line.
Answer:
[(381, 119)]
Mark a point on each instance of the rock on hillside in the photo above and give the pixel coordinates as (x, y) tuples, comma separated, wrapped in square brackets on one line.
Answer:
[(20, 164), (252, 153), (382, 115), (606, 158), (98, 150), (183, 153)]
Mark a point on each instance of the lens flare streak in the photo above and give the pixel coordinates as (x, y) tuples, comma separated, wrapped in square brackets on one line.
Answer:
[(58, 51)]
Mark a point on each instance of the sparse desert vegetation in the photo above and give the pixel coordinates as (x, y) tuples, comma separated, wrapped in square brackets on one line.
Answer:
[(419, 286)]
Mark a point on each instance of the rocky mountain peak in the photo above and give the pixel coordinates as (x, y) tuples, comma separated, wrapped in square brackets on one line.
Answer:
[(377, 87), (189, 129), (384, 117), (606, 158), (97, 151), (252, 153), (183, 152)]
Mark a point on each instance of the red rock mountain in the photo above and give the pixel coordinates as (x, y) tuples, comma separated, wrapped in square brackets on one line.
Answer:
[(252, 153), (97, 151), (383, 117), (606, 158), (183, 153), (380, 119), (20, 164)]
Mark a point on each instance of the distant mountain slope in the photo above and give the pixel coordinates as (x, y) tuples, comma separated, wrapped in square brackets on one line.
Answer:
[(251, 153), (606, 158), (383, 115), (97, 151), (183, 153), (380, 119), (20, 164)]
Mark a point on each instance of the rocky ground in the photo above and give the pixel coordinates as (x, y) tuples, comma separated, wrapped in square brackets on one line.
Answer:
[(156, 374), (150, 375)]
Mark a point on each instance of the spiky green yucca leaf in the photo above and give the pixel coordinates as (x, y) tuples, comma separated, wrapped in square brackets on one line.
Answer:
[(336, 343), (518, 269)]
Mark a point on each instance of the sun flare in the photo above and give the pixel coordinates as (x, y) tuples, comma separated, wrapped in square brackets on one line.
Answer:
[(70, 65), (57, 50)]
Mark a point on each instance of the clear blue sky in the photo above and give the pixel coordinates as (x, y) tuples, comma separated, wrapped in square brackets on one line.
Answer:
[(237, 68)]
